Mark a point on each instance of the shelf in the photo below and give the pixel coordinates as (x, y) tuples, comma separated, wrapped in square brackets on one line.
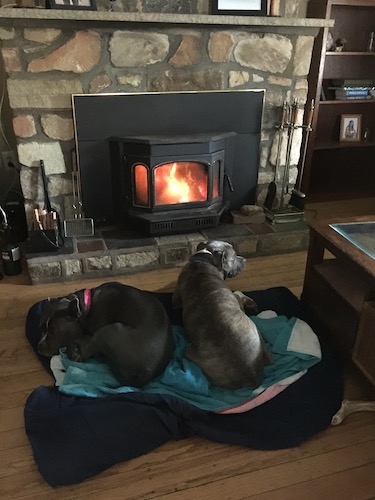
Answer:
[(45, 17), (353, 3), (340, 54), (345, 283), (322, 196), (364, 347), (330, 311), (335, 102), (344, 145)]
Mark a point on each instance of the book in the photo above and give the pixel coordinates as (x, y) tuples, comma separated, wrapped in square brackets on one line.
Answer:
[(350, 89), (351, 93), (341, 98), (345, 92), (353, 83)]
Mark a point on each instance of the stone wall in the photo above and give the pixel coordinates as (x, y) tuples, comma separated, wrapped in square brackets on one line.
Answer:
[(45, 65)]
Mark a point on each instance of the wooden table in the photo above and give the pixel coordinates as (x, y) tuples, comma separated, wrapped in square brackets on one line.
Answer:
[(339, 291)]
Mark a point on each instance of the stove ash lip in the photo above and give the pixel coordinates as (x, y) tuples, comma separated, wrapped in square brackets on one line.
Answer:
[(152, 152), (177, 222)]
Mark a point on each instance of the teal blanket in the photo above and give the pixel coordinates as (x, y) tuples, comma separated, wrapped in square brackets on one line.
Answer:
[(294, 346)]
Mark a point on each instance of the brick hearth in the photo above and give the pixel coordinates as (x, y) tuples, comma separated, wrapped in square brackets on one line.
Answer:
[(112, 252)]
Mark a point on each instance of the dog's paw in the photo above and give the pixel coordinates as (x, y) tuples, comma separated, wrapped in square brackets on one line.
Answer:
[(250, 305), (74, 352), (246, 302)]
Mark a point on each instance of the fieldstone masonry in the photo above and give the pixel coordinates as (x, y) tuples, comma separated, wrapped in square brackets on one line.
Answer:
[(46, 64)]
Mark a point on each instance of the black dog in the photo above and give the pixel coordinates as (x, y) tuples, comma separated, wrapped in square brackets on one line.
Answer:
[(128, 327)]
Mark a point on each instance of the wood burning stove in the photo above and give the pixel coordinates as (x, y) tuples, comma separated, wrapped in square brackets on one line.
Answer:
[(172, 118), (170, 184)]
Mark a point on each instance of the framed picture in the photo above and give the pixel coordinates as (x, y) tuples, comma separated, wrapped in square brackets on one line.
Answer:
[(73, 4), (350, 128), (239, 7)]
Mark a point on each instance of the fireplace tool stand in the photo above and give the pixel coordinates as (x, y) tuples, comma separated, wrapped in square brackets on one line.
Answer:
[(272, 187), (291, 211), (297, 198)]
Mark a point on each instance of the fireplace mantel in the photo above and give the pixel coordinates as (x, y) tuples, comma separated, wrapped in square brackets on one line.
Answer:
[(41, 17)]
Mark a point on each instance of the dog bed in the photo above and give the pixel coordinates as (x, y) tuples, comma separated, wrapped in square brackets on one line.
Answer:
[(76, 437)]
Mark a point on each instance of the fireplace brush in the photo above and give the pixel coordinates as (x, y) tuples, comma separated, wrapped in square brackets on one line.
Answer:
[(79, 226)]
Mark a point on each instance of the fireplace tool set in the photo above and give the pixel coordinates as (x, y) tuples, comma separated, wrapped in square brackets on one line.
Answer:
[(292, 211), (46, 234)]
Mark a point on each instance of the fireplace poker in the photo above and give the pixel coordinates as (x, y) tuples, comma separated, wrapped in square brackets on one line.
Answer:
[(297, 195), (291, 127), (272, 187), (47, 221), (47, 202)]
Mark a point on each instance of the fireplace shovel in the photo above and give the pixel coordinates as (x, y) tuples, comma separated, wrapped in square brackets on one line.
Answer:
[(79, 226)]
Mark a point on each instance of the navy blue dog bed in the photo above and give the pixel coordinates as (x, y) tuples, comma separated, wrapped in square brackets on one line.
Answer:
[(74, 438)]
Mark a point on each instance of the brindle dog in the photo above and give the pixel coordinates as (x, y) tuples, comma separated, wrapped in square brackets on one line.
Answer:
[(225, 342)]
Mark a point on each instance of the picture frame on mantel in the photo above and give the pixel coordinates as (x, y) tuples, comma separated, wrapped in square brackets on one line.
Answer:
[(239, 7), (72, 4)]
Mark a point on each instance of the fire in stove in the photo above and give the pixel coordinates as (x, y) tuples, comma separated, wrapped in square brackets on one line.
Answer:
[(171, 184), (180, 182), (176, 182)]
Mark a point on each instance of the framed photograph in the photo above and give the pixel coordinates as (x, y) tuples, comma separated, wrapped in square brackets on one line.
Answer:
[(73, 4), (350, 128), (239, 7)]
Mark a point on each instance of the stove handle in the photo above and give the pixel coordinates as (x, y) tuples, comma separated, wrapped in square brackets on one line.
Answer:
[(229, 181)]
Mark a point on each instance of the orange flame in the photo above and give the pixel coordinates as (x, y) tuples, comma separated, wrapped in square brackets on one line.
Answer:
[(141, 185), (180, 182)]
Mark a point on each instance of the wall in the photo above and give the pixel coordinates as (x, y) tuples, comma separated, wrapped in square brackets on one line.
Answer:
[(47, 61)]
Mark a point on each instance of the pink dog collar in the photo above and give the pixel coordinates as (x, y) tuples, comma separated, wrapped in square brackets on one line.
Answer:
[(87, 298)]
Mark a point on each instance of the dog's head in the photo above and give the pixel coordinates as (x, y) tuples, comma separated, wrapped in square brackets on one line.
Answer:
[(59, 324), (224, 257)]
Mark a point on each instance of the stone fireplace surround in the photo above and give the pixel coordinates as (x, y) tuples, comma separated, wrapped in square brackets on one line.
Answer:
[(51, 54)]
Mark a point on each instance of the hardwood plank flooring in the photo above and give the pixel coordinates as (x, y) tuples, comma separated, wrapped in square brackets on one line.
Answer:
[(339, 463)]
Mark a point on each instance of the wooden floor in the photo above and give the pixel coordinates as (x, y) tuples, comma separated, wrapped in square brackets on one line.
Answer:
[(338, 464)]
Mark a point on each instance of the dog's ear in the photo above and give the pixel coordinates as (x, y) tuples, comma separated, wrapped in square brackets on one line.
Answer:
[(226, 263), (67, 305), (50, 306), (202, 245), (231, 263), (74, 307)]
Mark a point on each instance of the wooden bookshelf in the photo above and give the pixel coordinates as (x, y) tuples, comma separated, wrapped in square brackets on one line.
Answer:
[(334, 169)]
